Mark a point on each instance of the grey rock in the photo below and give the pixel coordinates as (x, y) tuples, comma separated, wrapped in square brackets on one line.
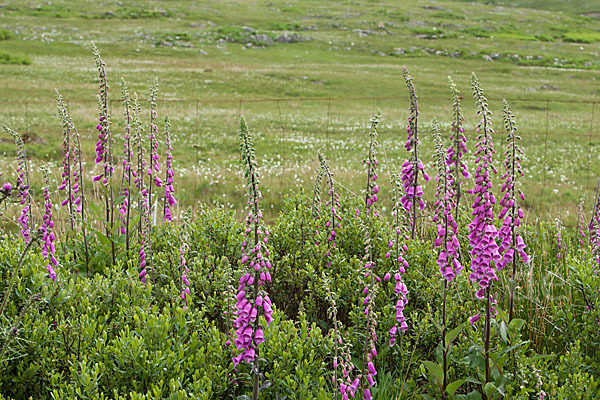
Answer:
[(264, 40), (550, 87), (248, 29), (289, 37), (487, 58)]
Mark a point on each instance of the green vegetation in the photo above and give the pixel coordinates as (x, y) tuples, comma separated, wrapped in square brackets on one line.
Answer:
[(111, 335), (6, 58)]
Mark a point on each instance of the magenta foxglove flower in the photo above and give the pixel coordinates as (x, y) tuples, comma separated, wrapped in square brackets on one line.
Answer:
[(22, 185), (332, 205), (399, 250), (413, 192), (511, 241), (169, 200), (371, 279), (595, 232), (127, 157), (447, 228), (252, 299), (47, 229), (483, 233), (458, 148)]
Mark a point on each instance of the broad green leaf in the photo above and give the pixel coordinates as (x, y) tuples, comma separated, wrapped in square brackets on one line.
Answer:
[(453, 334), (453, 386), (435, 371)]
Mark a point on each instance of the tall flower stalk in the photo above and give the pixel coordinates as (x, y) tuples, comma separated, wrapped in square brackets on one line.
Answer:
[(66, 184), (413, 192), (511, 241), (371, 280), (252, 300), (581, 222), (594, 229), (595, 234), (47, 229), (458, 147), (483, 234), (332, 205), (169, 200), (76, 194), (22, 185), (400, 233), (138, 143), (142, 193), (447, 234), (154, 167), (104, 146), (184, 238), (125, 192)]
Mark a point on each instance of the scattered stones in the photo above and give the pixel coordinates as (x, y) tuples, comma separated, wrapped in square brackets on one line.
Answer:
[(487, 58), (549, 87), (263, 40), (290, 37)]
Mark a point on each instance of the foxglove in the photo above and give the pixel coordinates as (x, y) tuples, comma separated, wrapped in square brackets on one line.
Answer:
[(447, 228), (400, 263), (169, 200), (22, 186), (47, 229), (413, 192), (483, 233), (332, 205), (458, 148), (127, 157), (252, 299)]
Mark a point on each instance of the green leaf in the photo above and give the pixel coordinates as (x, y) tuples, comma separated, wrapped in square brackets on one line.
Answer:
[(453, 387), (435, 371), (489, 388), (474, 395), (453, 334), (516, 324), (503, 333)]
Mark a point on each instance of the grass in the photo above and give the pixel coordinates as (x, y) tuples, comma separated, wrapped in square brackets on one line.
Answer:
[(353, 49)]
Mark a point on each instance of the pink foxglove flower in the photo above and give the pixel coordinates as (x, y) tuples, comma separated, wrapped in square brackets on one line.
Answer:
[(154, 167), (22, 185), (332, 205), (66, 184), (371, 279), (511, 241), (595, 231), (483, 233), (143, 198), (458, 148), (400, 263), (124, 210), (413, 192), (447, 228), (169, 200), (74, 183), (47, 229), (252, 300)]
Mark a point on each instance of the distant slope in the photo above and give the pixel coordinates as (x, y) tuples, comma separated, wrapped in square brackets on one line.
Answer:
[(570, 6)]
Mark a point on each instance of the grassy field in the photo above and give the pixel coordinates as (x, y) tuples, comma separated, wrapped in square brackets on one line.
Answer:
[(229, 52)]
